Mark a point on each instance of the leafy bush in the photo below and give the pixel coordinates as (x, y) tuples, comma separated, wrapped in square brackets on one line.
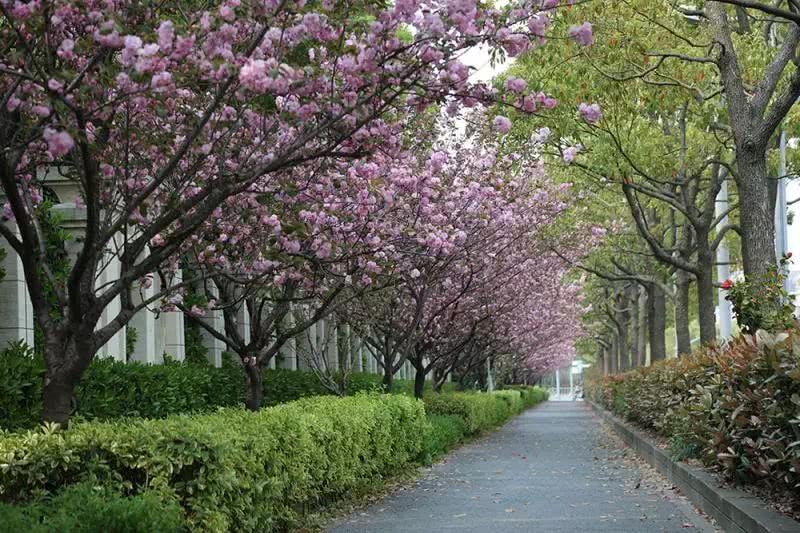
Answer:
[(444, 432), (762, 303), (232, 470), (512, 398), (110, 389), (737, 408), (282, 386), (480, 411), (406, 386), (84, 508), (21, 374)]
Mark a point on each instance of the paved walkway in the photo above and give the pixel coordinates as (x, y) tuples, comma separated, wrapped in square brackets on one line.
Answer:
[(553, 469)]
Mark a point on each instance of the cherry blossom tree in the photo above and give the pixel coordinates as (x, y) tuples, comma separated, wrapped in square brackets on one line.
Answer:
[(156, 112), (472, 255)]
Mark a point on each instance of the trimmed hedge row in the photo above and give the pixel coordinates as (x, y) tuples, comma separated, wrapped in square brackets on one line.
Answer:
[(111, 389), (736, 408), (85, 508), (483, 411), (232, 470)]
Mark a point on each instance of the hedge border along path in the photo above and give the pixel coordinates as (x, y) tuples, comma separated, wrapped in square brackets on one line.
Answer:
[(232, 470), (734, 510), (239, 471)]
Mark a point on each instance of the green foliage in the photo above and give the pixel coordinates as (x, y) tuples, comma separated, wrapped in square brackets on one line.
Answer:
[(406, 386), (232, 470), (530, 395), (21, 374), (286, 385), (762, 302), (195, 351), (110, 389), (444, 432), (480, 411), (737, 408), (85, 508), (131, 336)]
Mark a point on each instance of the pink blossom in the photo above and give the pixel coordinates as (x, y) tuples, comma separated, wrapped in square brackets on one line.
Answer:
[(55, 85), (65, 49), (41, 110), (582, 34), (516, 85), (166, 33), (591, 113), (58, 142), (571, 152), (502, 124)]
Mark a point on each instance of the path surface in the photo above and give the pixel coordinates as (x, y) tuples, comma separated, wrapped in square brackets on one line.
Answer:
[(553, 469)]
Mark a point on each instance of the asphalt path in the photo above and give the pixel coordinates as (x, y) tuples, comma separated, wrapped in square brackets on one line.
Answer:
[(555, 468)]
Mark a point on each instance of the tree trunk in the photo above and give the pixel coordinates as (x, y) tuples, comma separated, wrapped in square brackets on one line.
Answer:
[(623, 318), (439, 376), (656, 323), (635, 318), (57, 398), (255, 387), (388, 374), (66, 359), (756, 212), (598, 356), (682, 332), (705, 293), (419, 381), (613, 355), (641, 334)]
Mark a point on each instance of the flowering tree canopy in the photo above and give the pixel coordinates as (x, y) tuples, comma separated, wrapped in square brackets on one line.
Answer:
[(161, 124)]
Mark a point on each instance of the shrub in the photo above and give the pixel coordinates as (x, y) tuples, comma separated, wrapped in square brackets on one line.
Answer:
[(406, 386), (737, 408), (444, 432), (282, 386), (21, 374), (512, 398), (111, 389), (232, 470), (85, 508), (480, 411)]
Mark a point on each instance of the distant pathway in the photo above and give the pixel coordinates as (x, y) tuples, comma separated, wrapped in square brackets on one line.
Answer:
[(552, 469)]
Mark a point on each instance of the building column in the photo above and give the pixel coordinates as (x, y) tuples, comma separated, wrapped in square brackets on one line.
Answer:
[(331, 346), (170, 331), (213, 345), (357, 349), (304, 343), (289, 349), (347, 355), (16, 312), (143, 326), (116, 346)]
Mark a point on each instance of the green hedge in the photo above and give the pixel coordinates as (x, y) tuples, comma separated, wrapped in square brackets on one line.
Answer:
[(444, 432), (86, 508), (282, 385), (110, 389), (406, 386), (736, 408), (530, 395), (232, 470), (480, 411)]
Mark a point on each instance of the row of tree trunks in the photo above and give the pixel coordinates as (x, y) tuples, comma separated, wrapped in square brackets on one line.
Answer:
[(639, 321)]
